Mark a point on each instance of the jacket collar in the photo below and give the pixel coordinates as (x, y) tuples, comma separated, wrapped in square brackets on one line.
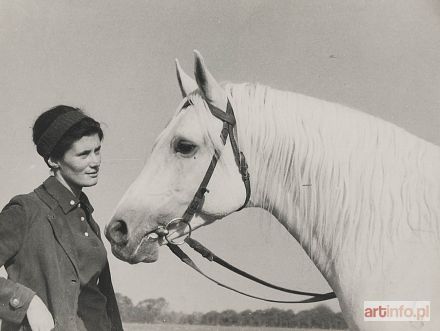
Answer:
[(64, 197)]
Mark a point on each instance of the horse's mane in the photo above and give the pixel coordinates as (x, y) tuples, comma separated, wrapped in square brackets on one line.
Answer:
[(334, 170)]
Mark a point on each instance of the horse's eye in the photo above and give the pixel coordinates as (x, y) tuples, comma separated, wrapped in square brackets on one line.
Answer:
[(185, 147)]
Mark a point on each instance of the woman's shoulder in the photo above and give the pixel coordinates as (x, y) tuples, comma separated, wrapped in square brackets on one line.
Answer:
[(24, 201), (16, 209), (26, 207)]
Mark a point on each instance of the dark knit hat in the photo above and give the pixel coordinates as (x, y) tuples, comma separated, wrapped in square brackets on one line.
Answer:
[(53, 134)]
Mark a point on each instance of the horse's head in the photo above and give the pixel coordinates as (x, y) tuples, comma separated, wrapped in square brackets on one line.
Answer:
[(179, 160)]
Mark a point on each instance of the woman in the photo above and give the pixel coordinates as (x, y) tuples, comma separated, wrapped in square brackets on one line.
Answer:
[(58, 274)]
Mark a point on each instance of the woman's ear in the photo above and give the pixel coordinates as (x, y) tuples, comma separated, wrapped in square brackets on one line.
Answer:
[(53, 164)]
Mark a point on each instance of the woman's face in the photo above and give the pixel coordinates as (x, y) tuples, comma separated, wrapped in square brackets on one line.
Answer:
[(79, 166)]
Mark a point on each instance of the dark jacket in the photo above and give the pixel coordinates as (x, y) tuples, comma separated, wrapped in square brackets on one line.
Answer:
[(37, 250)]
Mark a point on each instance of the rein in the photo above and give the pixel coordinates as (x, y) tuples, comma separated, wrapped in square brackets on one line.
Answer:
[(229, 123)]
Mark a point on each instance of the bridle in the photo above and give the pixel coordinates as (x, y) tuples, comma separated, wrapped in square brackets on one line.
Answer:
[(229, 122)]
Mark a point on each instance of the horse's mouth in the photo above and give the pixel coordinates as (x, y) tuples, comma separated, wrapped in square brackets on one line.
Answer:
[(146, 251), (146, 248)]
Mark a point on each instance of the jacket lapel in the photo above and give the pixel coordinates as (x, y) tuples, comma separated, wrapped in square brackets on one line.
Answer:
[(61, 230), (94, 226)]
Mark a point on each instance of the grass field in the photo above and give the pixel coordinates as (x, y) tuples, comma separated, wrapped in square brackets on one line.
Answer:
[(171, 327)]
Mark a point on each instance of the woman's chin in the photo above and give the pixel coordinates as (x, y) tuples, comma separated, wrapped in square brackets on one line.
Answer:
[(91, 181)]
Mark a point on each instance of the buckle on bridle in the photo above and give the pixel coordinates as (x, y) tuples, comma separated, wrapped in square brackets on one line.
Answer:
[(243, 167)]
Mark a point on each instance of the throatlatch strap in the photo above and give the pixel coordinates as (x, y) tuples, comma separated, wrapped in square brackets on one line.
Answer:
[(240, 160)]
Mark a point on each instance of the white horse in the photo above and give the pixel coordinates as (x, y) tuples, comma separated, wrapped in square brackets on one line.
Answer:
[(361, 195)]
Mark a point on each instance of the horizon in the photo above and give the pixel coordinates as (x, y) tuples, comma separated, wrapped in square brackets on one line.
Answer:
[(240, 310)]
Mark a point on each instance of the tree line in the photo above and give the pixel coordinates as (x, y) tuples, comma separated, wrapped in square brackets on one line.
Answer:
[(157, 311)]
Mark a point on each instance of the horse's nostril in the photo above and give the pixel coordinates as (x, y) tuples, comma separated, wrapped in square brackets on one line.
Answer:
[(117, 232)]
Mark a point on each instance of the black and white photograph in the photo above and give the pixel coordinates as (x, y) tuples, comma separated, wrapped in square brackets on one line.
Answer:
[(230, 165)]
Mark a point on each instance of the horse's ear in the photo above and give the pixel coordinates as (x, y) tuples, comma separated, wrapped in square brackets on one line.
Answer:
[(212, 91), (186, 83)]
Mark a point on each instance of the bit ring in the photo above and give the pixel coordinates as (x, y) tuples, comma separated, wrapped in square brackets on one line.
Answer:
[(177, 221)]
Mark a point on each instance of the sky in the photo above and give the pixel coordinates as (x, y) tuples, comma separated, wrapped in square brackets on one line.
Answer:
[(115, 59)]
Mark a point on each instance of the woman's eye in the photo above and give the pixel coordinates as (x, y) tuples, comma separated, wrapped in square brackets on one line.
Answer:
[(185, 147)]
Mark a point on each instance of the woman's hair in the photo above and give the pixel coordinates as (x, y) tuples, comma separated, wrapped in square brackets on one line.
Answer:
[(83, 126)]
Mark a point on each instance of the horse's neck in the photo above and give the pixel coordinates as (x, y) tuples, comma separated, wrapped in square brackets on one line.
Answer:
[(328, 173), (297, 177)]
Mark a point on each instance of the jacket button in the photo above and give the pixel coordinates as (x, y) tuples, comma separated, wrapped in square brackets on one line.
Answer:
[(72, 202), (15, 302)]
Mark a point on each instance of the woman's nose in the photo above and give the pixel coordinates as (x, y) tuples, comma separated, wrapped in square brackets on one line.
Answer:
[(95, 161)]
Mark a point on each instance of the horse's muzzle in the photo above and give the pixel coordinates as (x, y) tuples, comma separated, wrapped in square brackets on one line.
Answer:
[(132, 248)]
